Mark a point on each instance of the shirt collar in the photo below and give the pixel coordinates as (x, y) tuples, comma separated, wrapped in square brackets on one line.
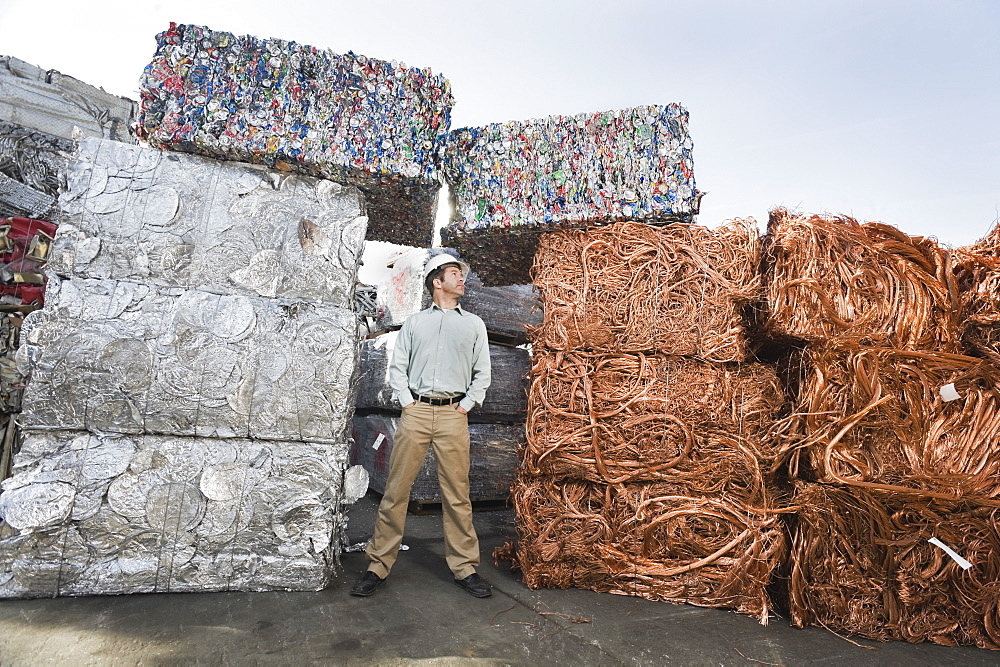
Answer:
[(458, 308)]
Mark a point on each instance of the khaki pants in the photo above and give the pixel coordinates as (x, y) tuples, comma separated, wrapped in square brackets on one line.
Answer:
[(448, 431)]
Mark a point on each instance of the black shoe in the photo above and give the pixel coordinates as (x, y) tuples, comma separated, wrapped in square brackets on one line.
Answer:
[(367, 584), (475, 585)]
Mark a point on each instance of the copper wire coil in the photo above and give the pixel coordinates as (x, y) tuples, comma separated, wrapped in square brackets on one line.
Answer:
[(630, 287), (861, 563), (830, 278), (653, 540), (875, 417)]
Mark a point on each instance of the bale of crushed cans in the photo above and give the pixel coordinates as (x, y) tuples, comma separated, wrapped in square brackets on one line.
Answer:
[(511, 181), (884, 566), (830, 278), (657, 540), (119, 357), (353, 119), (506, 397), (631, 287), (492, 455), (98, 514), (507, 311), (138, 214)]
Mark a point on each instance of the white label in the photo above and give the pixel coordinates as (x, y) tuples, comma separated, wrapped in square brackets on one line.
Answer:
[(378, 441), (962, 563), (948, 393)]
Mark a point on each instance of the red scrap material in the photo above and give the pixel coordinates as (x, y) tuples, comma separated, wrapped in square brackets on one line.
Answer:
[(862, 563), (653, 540), (630, 287), (647, 417), (829, 278)]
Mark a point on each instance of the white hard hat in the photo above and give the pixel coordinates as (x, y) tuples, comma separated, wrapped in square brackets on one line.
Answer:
[(437, 261)]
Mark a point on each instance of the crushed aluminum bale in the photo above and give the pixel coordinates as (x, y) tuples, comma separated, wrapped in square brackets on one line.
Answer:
[(88, 514), (135, 213), (120, 357)]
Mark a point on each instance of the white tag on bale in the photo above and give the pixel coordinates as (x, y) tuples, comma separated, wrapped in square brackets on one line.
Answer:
[(962, 563), (948, 393), (378, 441)]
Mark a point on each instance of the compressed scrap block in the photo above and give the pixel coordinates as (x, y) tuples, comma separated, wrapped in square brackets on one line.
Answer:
[(119, 357), (350, 118), (61, 106), (87, 514), (493, 458), (32, 165), (139, 214), (506, 311), (509, 181), (506, 398)]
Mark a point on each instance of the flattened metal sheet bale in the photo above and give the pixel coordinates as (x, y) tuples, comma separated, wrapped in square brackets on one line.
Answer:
[(176, 220), (348, 117), (506, 397), (61, 105), (118, 357), (169, 514), (493, 458), (506, 311)]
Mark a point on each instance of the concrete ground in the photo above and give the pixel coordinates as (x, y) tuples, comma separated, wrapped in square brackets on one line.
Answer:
[(420, 616)]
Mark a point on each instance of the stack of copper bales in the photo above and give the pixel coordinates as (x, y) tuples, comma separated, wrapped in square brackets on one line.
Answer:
[(890, 450), (644, 471)]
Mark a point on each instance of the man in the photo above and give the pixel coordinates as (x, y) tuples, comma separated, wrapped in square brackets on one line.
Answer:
[(440, 370)]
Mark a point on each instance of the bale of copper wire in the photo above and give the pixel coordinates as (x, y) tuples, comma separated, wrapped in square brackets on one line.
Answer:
[(631, 287), (656, 540), (645, 417), (924, 423), (830, 278), (862, 562), (977, 270)]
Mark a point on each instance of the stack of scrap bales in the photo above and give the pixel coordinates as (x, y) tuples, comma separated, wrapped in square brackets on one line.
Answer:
[(496, 428), (42, 115), (890, 444), (191, 381), (353, 119), (645, 466), (511, 181)]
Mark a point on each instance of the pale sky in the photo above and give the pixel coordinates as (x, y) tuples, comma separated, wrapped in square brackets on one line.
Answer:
[(882, 109)]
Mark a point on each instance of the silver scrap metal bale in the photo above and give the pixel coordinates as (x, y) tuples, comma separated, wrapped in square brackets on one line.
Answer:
[(88, 514), (177, 220), (120, 357), (61, 105)]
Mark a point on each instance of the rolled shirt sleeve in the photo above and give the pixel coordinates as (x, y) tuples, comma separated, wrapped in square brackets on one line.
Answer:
[(400, 364)]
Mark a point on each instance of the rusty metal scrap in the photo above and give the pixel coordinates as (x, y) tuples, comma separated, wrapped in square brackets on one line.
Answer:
[(630, 287), (876, 417), (832, 278), (862, 563), (631, 417), (654, 540)]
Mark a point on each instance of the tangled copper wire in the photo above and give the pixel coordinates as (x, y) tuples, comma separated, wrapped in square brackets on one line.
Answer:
[(830, 278), (644, 468), (977, 270), (630, 287), (649, 417), (861, 562), (655, 540), (875, 417)]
